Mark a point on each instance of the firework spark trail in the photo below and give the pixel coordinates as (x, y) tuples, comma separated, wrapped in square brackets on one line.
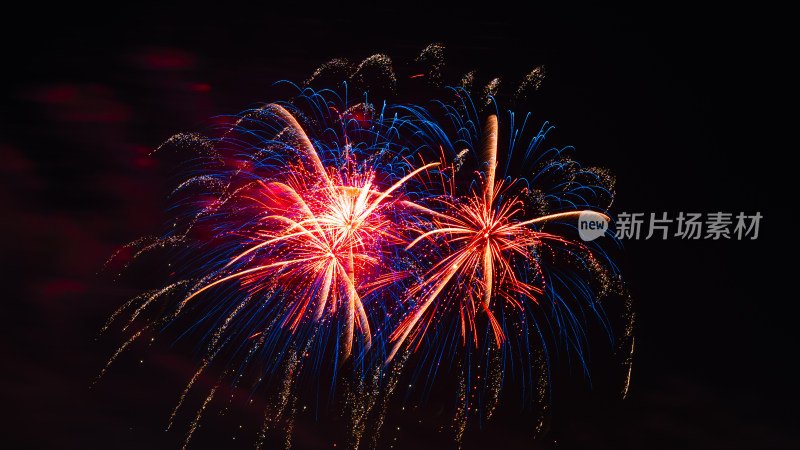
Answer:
[(213, 350), (533, 80), (628, 337), (370, 398), (287, 397), (146, 244), (542, 385), (149, 299), (197, 417), (629, 365), (124, 307), (117, 353), (359, 400), (493, 380), (462, 408), (395, 370)]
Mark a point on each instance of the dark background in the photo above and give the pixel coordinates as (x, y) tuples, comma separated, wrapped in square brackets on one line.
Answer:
[(682, 105)]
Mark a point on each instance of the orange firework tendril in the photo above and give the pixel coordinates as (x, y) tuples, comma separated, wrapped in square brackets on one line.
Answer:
[(484, 235), (317, 236)]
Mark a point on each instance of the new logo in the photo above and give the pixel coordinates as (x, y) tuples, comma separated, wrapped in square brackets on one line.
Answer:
[(591, 225)]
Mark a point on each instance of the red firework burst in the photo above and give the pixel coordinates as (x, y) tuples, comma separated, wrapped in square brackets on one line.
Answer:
[(320, 238), (483, 236)]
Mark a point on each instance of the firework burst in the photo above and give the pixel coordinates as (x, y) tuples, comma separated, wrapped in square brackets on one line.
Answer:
[(483, 235), (294, 239), (309, 236), (506, 277), (318, 234)]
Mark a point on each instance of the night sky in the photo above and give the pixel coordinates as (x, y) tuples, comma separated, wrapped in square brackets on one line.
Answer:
[(681, 105)]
